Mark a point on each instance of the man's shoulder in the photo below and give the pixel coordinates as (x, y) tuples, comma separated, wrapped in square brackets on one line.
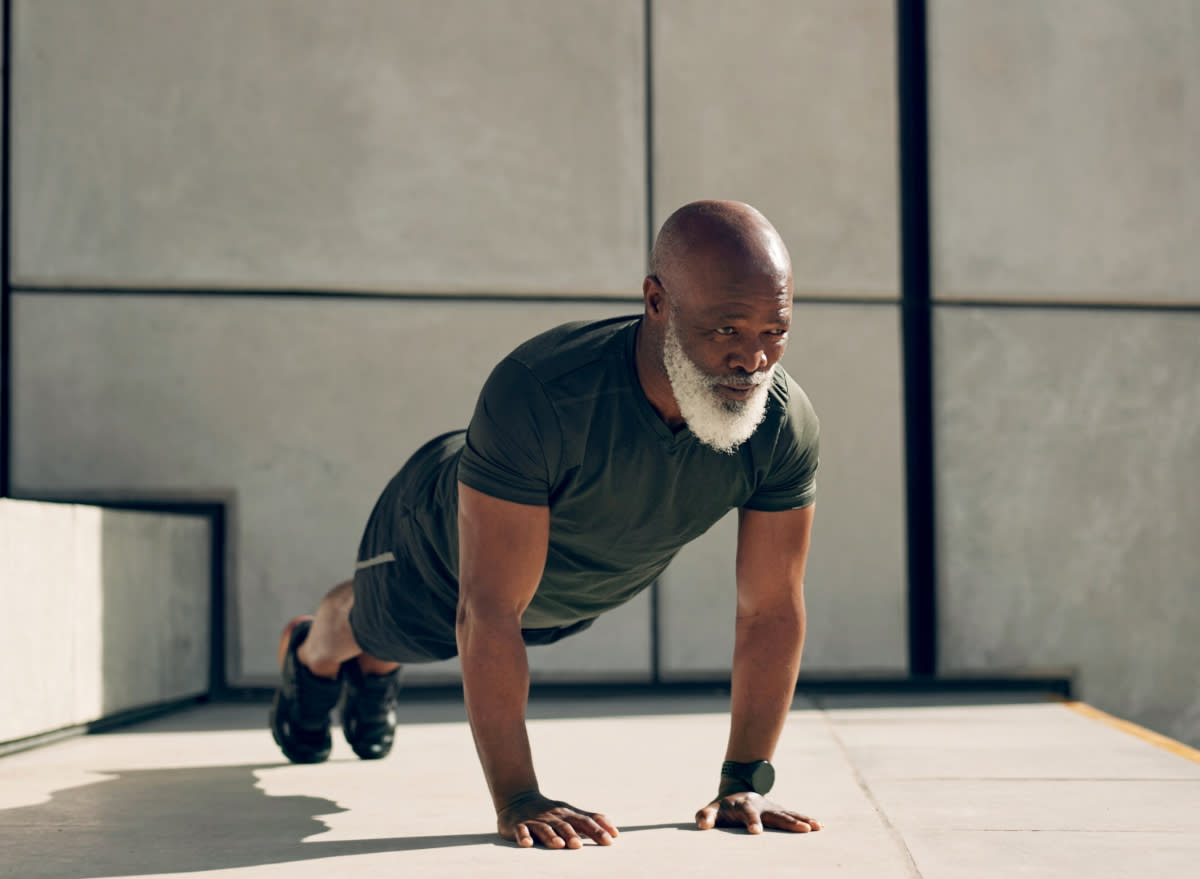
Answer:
[(787, 394), (789, 408), (572, 346)]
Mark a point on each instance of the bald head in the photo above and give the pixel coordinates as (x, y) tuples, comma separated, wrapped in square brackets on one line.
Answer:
[(718, 309), (725, 240)]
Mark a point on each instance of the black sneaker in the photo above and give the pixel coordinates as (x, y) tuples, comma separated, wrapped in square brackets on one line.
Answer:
[(302, 705), (369, 713)]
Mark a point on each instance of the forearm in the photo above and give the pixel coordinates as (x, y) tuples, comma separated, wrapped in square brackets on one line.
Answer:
[(766, 661), (495, 673)]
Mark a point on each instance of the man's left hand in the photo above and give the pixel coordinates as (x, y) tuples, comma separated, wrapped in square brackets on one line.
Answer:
[(754, 812)]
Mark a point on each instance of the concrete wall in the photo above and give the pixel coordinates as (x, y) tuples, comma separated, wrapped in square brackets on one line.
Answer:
[(211, 151), (497, 149), (1064, 146), (790, 106), (105, 611), (368, 144), (1064, 139)]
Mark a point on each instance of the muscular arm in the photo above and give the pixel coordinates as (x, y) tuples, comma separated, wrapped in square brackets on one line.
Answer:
[(502, 552), (771, 555)]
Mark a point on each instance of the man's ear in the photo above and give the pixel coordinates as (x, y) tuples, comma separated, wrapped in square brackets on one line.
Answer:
[(654, 297)]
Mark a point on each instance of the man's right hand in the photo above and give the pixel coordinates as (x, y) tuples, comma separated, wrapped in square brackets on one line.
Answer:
[(531, 818)]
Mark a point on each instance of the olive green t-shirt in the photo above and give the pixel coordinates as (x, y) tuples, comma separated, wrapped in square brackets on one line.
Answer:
[(563, 422)]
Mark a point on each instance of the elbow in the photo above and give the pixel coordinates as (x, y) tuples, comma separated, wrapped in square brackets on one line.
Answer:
[(777, 623), (464, 620), (473, 618), (779, 610)]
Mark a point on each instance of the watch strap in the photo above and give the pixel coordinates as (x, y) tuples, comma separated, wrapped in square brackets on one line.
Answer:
[(758, 776)]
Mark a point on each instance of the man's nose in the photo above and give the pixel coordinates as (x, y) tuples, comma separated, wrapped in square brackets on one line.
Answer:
[(750, 357)]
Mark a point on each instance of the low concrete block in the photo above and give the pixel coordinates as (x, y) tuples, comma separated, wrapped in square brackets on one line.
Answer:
[(107, 610)]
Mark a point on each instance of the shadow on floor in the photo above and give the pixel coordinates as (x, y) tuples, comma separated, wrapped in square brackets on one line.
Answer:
[(181, 820)]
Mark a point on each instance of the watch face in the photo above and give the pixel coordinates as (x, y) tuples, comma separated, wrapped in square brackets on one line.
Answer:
[(763, 778)]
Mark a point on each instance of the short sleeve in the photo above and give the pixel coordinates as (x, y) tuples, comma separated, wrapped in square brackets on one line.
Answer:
[(514, 441), (790, 482)]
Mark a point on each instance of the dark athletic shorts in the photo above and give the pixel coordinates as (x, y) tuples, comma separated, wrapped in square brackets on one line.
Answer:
[(397, 616)]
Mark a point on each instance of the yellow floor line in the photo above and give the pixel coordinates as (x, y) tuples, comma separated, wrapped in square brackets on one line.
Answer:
[(1165, 742)]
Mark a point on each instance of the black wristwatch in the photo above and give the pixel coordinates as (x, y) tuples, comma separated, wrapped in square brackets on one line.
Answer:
[(757, 777)]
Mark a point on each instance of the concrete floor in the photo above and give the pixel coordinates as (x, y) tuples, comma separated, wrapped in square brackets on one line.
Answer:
[(955, 787)]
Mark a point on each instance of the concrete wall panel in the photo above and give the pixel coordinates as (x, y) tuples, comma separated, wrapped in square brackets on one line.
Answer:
[(791, 107), (296, 411), (1068, 456), (367, 144), (1064, 139), (104, 611), (847, 359)]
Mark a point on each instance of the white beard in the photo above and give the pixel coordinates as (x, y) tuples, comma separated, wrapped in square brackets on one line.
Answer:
[(720, 423)]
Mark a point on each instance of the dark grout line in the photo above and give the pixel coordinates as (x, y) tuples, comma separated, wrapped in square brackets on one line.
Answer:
[(802, 297), (860, 780), (917, 334), (1067, 305), (6, 333), (348, 295), (648, 50), (648, 72)]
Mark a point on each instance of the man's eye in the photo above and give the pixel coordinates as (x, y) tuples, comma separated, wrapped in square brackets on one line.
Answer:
[(725, 331)]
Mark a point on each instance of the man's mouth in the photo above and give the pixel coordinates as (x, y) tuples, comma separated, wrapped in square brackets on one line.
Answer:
[(737, 392)]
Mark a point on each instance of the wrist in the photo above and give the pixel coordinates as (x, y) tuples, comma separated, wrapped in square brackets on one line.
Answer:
[(515, 801), (730, 786), (757, 776)]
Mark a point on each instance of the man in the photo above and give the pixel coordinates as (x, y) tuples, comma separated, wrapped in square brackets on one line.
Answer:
[(595, 452)]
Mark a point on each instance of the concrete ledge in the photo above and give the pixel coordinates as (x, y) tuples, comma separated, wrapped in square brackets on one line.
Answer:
[(107, 611)]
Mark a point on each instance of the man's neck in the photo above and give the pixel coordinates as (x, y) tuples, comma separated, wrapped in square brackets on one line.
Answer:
[(653, 379)]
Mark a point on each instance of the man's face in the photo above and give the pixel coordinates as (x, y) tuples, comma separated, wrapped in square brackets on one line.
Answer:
[(720, 349)]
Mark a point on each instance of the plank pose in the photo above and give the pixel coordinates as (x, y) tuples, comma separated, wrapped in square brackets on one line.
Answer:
[(596, 451)]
